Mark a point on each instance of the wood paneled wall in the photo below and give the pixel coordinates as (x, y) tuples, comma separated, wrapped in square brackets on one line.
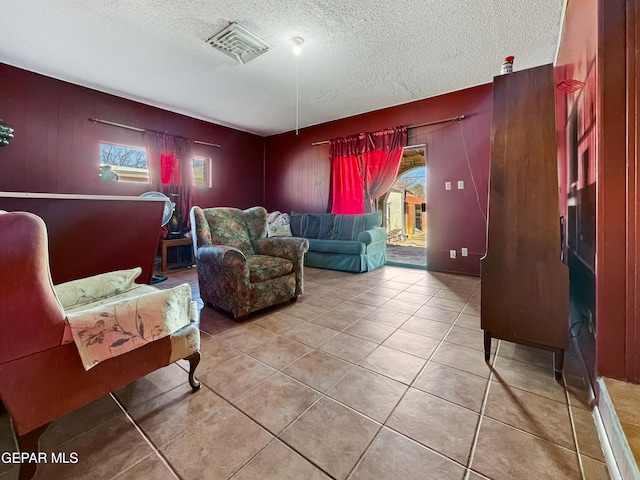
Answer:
[(56, 148), (298, 174)]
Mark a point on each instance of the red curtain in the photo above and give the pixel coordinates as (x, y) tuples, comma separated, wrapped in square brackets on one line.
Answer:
[(166, 168), (382, 164), (347, 183), (364, 167), (172, 173)]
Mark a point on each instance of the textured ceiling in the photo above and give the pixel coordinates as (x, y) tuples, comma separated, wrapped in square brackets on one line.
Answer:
[(358, 56)]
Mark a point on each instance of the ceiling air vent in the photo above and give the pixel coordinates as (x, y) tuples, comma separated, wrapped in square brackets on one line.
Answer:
[(238, 43)]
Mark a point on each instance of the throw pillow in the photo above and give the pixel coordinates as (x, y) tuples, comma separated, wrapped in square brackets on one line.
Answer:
[(279, 231), (91, 289)]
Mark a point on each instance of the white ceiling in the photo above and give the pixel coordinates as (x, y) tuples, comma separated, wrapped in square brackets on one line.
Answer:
[(358, 55)]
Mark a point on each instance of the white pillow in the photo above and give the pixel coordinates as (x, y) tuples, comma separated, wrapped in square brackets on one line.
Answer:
[(91, 289), (279, 230)]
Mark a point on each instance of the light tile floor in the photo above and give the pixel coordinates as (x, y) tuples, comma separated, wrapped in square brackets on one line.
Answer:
[(372, 376)]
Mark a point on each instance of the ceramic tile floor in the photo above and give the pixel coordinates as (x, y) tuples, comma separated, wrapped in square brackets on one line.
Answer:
[(372, 376)]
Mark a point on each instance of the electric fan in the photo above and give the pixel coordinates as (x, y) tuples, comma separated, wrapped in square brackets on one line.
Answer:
[(169, 206)]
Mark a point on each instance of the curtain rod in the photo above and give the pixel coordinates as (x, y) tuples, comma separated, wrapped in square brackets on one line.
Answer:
[(137, 129), (450, 119)]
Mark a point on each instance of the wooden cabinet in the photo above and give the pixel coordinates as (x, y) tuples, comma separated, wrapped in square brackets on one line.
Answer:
[(525, 285)]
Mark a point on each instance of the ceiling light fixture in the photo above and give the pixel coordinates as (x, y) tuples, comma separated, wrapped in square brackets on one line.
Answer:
[(297, 45), (297, 50)]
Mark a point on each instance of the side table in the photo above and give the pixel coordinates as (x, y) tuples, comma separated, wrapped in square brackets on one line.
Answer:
[(165, 244)]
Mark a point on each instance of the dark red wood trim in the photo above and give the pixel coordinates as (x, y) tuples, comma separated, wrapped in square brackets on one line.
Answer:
[(611, 258), (633, 191)]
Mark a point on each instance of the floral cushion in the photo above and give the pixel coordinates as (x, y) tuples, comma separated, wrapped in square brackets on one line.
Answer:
[(87, 290), (263, 267), (228, 227), (116, 328)]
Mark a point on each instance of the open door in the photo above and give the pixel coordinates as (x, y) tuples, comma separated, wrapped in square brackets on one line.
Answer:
[(405, 212)]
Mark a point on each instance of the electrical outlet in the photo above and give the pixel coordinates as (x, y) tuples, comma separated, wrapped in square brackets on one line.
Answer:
[(464, 252), (452, 254), (460, 184), (447, 185)]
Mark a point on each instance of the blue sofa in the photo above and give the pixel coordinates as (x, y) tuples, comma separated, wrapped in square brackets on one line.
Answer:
[(350, 243)]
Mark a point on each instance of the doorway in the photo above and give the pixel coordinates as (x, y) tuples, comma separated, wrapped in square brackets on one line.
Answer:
[(404, 211)]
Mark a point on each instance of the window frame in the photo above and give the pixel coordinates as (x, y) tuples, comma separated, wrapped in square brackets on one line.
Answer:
[(207, 176), (146, 181)]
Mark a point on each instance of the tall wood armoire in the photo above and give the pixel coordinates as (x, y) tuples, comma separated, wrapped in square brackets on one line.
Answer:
[(525, 284)]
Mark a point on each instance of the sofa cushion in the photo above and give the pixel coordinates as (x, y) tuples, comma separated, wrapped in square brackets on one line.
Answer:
[(347, 227), (336, 246), (263, 267), (372, 220), (326, 226), (312, 225), (295, 221)]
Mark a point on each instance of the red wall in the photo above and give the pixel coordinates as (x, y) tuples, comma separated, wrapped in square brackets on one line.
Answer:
[(55, 149), (297, 173)]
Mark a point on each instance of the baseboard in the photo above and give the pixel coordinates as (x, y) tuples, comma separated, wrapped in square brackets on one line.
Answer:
[(617, 453), (621, 454), (607, 450)]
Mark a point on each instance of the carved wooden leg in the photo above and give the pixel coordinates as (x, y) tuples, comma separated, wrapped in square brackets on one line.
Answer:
[(487, 346), (194, 360), (29, 443), (558, 363)]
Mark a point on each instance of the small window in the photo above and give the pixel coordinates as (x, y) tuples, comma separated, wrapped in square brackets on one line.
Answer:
[(123, 164), (202, 171)]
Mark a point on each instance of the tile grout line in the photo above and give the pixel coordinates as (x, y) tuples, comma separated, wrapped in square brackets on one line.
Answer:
[(485, 399), (573, 428), (155, 449)]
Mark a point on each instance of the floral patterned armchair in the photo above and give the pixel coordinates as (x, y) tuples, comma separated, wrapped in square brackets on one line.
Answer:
[(240, 269), (67, 345)]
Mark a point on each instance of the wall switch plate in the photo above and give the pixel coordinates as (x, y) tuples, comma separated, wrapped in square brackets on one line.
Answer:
[(452, 254), (460, 184), (447, 185), (464, 252)]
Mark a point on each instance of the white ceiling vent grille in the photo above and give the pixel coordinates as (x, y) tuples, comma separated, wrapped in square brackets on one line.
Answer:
[(238, 43)]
